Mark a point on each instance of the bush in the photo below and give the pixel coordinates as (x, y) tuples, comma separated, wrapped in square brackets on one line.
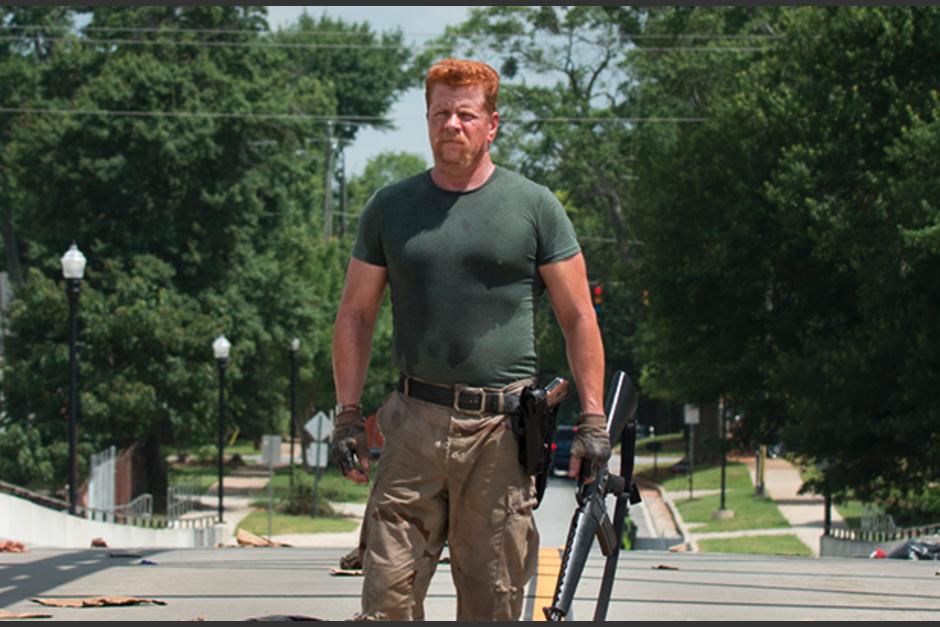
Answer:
[(299, 499), (915, 508)]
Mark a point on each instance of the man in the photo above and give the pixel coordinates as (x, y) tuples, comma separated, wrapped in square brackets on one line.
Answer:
[(467, 249)]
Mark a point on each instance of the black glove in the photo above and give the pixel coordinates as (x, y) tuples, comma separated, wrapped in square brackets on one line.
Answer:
[(592, 444), (348, 446)]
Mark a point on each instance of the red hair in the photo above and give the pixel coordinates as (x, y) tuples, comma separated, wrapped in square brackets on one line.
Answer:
[(459, 73)]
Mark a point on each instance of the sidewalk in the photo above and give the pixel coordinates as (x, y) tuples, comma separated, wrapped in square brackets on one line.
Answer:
[(804, 512), (237, 507)]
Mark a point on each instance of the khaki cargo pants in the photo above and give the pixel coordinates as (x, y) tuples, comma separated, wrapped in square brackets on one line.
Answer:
[(454, 477)]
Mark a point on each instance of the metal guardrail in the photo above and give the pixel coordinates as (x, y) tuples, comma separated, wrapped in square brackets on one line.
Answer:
[(860, 535), (183, 498), (40, 499), (142, 506), (147, 521)]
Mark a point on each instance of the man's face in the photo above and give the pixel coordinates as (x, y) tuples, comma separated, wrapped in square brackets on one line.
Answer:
[(459, 126)]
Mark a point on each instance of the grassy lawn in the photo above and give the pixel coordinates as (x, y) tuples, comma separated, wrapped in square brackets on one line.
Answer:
[(851, 511), (333, 486), (257, 523), (672, 443), (750, 512), (201, 476), (761, 545), (705, 478)]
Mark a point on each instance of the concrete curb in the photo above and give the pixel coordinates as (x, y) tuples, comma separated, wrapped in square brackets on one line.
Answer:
[(687, 539)]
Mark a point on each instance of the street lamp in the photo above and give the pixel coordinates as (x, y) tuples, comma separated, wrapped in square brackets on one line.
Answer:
[(723, 513), (73, 269), (294, 347), (220, 347)]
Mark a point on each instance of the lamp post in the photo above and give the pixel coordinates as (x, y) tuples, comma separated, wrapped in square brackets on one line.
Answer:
[(73, 269), (724, 449), (220, 347), (294, 347)]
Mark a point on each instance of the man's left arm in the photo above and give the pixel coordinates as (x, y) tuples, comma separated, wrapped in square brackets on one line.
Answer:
[(570, 296)]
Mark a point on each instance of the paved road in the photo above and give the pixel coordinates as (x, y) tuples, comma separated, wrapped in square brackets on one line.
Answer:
[(237, 584)]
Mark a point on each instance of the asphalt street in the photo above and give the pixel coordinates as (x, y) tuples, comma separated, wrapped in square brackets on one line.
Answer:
[(238, 584)]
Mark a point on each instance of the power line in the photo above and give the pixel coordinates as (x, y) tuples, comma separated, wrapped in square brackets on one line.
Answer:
[(235, 31), (360, 120), (355, 120), (207, 31), (206, 44), (653, 119), (202, 43)]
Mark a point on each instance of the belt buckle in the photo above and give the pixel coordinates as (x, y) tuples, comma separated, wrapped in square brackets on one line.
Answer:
[(460, 389)]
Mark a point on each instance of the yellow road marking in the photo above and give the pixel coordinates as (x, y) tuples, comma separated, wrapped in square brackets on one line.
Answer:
[(546, 574)]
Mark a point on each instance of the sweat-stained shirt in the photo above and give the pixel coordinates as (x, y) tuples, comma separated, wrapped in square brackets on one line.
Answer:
[(463, 272)]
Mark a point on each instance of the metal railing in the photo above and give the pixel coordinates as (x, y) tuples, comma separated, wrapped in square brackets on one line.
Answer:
[(148, 521), (142, 506), (861, 535), (183, 498)]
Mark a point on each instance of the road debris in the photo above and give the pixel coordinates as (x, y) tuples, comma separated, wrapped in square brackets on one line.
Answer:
[(97, 602), (346, 572), (246, 538), (12, 546), (99, 543), (5, 615), (664, 567), (283, 617)]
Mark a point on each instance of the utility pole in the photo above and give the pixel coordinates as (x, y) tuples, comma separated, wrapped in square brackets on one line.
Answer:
[(343, 196), (328, 184)]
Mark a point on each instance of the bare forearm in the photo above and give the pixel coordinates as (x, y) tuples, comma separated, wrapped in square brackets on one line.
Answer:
[(585, 352), (352, 348)]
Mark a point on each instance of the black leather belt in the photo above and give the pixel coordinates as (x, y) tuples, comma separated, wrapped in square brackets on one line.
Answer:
[(469, 400)]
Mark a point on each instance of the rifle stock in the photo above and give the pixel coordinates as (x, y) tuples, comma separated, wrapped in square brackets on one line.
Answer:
[(590, 518)]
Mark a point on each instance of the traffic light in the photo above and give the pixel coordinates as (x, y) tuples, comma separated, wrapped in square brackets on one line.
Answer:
[(597, 295)]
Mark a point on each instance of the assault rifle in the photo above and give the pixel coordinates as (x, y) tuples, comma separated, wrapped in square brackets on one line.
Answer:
[(590, 518)]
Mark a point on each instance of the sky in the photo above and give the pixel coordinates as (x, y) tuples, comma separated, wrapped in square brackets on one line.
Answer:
[(418, 24)]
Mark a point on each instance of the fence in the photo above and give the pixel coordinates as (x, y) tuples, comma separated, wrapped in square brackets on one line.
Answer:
[(101, 483), (183, 498), (861, 542)]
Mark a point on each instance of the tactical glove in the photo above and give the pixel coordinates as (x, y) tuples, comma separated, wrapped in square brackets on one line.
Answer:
[(348, 446), (591, 444)]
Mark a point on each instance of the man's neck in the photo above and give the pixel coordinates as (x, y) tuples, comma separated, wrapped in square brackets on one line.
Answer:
[(461, 179)]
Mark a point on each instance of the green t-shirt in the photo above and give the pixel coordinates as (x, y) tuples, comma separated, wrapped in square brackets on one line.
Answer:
[(463, 272)]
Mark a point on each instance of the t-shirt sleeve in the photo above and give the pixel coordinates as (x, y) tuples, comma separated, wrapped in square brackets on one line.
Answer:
[(368, 246), (557, 239)]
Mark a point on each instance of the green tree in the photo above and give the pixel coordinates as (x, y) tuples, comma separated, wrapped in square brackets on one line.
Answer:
[(784, 247), (195, 214), (383, 169)]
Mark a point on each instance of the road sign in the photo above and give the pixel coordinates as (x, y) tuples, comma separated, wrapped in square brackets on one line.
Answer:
[(318, 454), (691, 414), (320, 427), (271, 449)]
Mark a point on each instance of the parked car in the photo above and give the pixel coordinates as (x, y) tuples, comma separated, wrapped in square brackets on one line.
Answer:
[(561, 448), (644, 431)]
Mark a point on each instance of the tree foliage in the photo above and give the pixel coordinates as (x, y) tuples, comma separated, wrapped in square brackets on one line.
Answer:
[(767, 176), (189, 172), (785, 258)]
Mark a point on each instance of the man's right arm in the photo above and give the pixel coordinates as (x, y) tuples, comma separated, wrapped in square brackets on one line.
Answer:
[(352, 347), (352, 331)]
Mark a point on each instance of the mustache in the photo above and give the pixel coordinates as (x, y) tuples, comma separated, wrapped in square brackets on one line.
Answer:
[(456, 138)]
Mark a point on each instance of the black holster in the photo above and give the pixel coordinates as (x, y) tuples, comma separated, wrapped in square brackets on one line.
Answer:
[(533, 423)]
